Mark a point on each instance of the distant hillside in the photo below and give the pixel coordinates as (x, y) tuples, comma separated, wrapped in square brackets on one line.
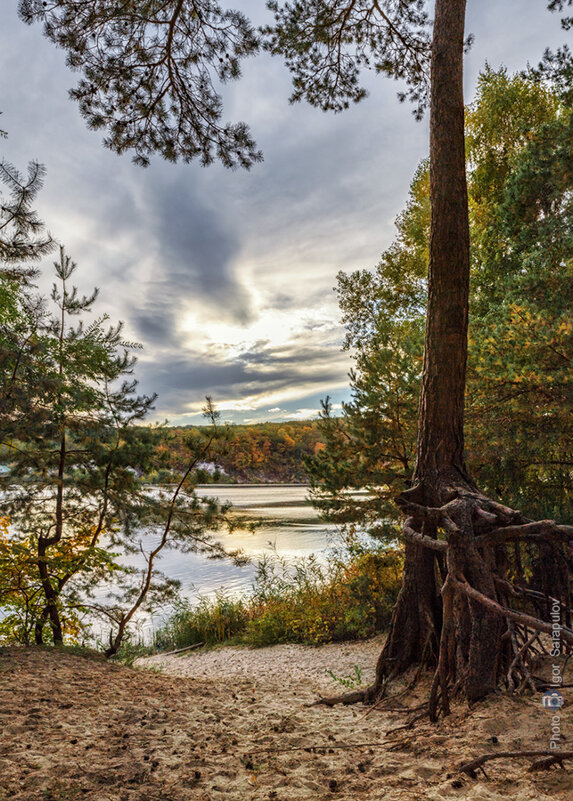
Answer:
[(263, 453)]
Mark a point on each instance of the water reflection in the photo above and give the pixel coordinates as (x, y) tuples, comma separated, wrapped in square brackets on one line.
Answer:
[(288, 525)]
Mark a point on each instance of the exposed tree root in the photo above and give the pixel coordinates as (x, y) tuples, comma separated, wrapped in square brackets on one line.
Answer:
[(471, 565), (355, 697), (549, 759)]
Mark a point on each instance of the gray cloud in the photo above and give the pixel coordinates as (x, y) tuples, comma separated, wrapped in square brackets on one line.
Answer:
[(296, 354), (197, 247), (259, 372), (155, 323), (230, 246), (282, 301)]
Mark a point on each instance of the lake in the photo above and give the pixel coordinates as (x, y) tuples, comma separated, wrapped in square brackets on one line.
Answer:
[(289, 525)]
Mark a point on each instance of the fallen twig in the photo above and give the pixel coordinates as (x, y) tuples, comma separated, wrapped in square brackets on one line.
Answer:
[(410, 723), (551, 758), (187, 648)]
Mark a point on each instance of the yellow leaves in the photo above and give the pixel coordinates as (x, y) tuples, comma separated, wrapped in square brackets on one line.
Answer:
[(73, 629), (76, 544), (21, 590)]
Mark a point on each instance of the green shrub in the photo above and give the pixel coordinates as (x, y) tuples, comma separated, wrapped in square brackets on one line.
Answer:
[(305, 601), (211, 621)]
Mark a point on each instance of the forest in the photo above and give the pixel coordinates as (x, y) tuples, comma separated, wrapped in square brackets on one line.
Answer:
[(454, 452), (264, 453)]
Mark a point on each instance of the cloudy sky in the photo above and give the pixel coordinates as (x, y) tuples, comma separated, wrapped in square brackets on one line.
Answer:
[(226, 278)]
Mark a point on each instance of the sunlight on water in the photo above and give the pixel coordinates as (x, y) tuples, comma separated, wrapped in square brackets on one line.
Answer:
[(288, 525)]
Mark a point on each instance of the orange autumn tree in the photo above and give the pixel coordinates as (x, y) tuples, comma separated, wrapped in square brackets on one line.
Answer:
[(21, 593)]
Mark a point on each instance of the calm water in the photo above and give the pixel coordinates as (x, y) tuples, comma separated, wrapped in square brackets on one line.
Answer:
[(288, 524)]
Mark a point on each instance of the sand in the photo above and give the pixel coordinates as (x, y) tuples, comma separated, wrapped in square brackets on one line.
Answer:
[(237, 724)]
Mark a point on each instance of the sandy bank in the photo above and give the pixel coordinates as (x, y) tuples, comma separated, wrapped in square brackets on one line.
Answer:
[(235, 724)]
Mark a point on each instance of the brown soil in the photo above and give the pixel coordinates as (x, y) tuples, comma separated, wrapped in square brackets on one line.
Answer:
[(235, 724)]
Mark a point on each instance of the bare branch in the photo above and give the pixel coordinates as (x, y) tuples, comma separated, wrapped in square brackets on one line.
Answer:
[(421, 539), (475, 764), (538, 531), (520, 617)]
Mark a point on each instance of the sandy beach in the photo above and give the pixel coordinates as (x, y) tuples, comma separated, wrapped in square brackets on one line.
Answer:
[(236, 723)]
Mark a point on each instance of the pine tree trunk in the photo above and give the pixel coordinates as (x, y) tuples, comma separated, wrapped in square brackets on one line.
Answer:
[(440, 450), (456, 538), (51, 609), (440, 472), (416, 620)]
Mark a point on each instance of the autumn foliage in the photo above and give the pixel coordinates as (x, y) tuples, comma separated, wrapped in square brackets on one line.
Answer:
[(265, 453)]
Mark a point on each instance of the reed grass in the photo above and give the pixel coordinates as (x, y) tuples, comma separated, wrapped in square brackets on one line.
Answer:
[(348, 597)]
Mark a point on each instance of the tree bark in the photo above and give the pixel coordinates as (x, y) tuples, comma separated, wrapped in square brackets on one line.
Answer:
[(416, 620), (440, 449), (51, 609), (471, 633)]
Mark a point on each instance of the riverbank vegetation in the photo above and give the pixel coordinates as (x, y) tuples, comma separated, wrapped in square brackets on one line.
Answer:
[(349, 596)]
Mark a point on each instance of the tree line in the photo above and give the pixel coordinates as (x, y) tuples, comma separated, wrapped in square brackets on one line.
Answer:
[(257, 453)]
